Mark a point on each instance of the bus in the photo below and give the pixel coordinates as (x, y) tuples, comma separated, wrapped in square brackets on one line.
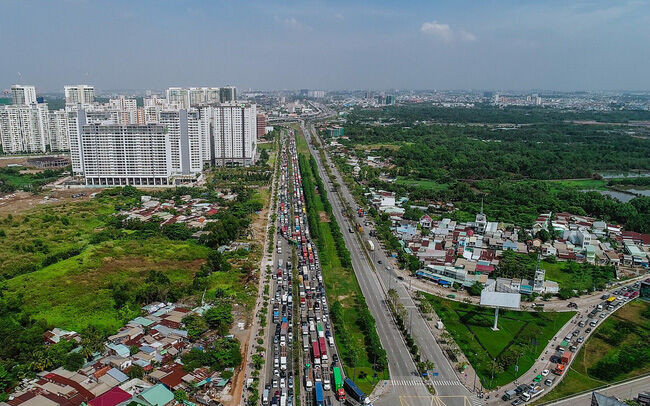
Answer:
[(338, 384)]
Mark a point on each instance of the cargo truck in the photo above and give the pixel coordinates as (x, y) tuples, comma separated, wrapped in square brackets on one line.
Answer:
[(354, 391), (319, 394), (338, 384), (323, 349), (371, 245)]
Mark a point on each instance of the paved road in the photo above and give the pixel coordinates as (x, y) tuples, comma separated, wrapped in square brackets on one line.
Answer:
[(627, 390), (374, 285)]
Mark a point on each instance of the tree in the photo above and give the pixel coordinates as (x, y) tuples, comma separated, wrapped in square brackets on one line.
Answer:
[(74, 361), (136, 371), (180, 395), (195, 325), (219, 317), (134, 349), (475, 289), (92, 340)]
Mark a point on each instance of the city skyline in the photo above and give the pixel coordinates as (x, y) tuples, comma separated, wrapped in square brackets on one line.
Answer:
[(587, 45)]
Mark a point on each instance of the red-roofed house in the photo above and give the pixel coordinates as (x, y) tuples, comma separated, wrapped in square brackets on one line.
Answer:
[(113, 397)]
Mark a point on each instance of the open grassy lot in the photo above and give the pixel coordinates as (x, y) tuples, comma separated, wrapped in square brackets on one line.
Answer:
[(421, 183), (628, 326), (521, 333), (49, 256), (47, 230), (74, 293)]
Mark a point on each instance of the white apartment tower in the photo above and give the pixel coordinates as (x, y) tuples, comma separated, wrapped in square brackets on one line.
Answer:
[(24, 127), (186, 141), (234, 134), (79, 94), (178, 98), (57, 121), (22, 95), (115, 154)]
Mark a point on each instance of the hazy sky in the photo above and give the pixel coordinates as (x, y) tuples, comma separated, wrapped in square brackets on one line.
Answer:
[(341, 44)]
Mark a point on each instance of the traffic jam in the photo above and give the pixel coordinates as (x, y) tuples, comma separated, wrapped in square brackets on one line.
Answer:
[(322, 380), (559, 362)]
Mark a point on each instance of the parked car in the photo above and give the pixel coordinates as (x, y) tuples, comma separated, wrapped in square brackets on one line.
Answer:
[(538, 378), (545, 372)]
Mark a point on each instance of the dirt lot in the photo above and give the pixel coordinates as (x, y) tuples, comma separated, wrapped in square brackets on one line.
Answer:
[(19, 201)]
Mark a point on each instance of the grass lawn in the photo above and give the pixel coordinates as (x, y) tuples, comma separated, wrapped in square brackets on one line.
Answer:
[(578, 378), (422, 183), (470, 326), (341, 285)]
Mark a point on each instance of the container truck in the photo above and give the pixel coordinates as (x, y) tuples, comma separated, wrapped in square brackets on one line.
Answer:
[(316, 352), (319, 394), (309, 381), (323, 349), (338, 384), (354, 391)]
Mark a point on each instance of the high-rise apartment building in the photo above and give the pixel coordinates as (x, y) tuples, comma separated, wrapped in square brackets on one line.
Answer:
[(79, 94), (22, 95), (57, 121), (107, 152), (184, 98), (178, 98), (261, 125), (234, 134), (228, 94), (24, 127), (115, 154), (185, 139)]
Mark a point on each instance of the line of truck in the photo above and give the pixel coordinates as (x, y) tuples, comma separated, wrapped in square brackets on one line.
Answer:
[(323, 377)]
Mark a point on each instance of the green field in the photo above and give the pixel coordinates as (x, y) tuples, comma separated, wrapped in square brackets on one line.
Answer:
[(629, 325), (13, 179), (595, 184), (523, 332), (72, 291), (421, 183)]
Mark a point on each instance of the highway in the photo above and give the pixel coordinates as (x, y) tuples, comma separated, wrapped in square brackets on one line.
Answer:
[(406, 387)]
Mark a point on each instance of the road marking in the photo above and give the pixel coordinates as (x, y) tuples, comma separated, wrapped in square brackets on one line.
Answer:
[(446, 383), (407, 382)]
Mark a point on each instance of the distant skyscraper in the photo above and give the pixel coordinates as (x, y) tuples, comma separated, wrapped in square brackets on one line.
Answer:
[(228, 94), (23, 94), (261, 125), (79, 94), (178, 98), (390, 99)]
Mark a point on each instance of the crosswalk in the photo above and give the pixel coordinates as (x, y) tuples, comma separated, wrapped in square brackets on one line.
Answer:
[(407, 382), (476, 401), (446, 383), (416, 382)]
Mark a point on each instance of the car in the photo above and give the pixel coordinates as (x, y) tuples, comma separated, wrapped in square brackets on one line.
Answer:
[(545, 372), (517, 402), (603, 315), (581, 339), (400, 278), (538, 378), (588, 330), (379, 261), (283, 383)]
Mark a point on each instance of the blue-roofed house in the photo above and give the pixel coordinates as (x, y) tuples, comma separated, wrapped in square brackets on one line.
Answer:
[(120, 350), (157, 395), (120, 376)]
